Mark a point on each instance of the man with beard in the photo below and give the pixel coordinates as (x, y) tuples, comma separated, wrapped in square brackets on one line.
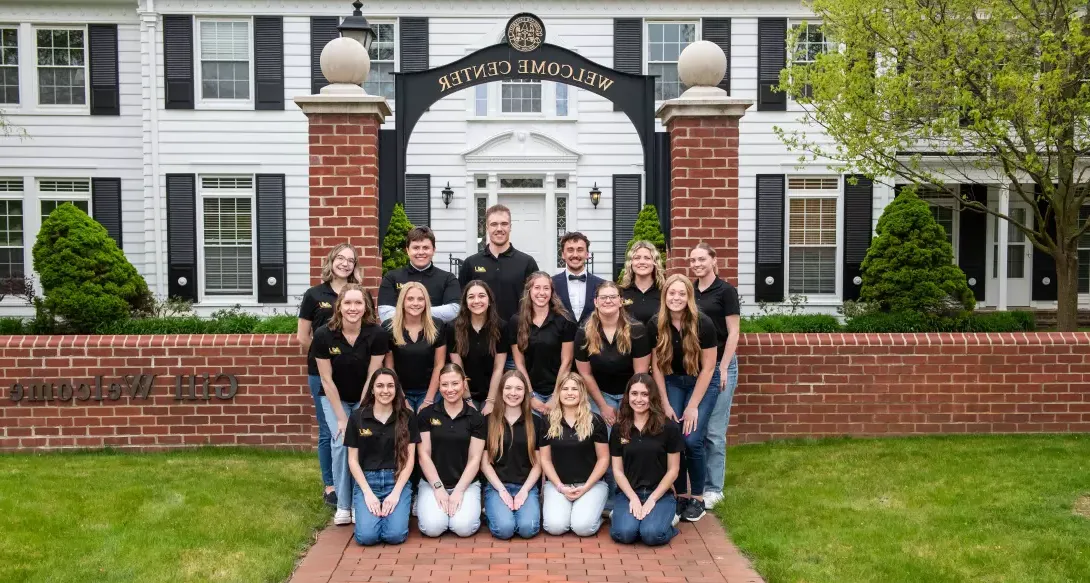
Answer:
[(500, 265)]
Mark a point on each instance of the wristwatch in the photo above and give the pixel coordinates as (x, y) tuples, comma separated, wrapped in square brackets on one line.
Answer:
[(438, 484)]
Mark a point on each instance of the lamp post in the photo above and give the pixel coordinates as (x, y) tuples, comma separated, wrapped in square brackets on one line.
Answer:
[(448, 195), (356, 27), (595, 195)]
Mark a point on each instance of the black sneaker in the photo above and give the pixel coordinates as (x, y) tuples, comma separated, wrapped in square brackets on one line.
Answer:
[(330, 498), (693, 510)]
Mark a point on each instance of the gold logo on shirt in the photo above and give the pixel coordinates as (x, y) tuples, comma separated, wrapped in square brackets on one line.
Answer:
[(325, 305), (397, 285), (334, 350), (365, 432), (435, 422), (628, 302), (479, 269), (624, 441)]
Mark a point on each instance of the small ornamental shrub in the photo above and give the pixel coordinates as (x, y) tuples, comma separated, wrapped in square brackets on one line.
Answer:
[(799, 324), (393, 245), (87, 280), (646, 229), (909, 266)]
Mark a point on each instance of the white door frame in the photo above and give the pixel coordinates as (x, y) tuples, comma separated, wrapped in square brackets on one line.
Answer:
[(1019, 290)]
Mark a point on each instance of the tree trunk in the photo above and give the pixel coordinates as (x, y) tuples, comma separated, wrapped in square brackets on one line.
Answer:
[(1067, 289)]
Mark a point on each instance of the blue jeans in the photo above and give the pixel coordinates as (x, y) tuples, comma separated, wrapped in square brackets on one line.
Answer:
[(655, 529), (715, 443), (415, 398), (615, 402), (325, 459), (342, 478), (371, 529), (505, 523), (678, 389)]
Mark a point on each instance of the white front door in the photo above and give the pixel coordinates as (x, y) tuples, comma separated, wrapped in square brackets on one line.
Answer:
[(530, 228), (1019, 255)]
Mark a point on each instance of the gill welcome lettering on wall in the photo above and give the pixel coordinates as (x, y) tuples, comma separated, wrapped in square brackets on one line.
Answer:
[(194, 387), (528, 67)]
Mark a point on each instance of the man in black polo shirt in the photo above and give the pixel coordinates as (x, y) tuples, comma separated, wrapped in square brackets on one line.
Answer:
[(500, 265), (443, 288)]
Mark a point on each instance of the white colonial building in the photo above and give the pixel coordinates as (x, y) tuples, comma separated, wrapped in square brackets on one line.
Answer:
[(172, 122)]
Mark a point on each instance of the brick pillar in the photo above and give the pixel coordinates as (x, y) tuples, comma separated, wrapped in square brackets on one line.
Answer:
[(703, 178), (344, 178)]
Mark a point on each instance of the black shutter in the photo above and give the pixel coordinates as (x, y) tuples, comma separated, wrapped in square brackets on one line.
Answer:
[(269, 63), (272, 257), (418, 199), (973, 240), (858, 221), (627, 47), (178, 60), (387, 178), (626, 208), (661, 192), (770, 211), (1044, 266), (105, 82), (322, 30), (717, 30), (414, 44), (182, 236), (771, 59), (106, 205)]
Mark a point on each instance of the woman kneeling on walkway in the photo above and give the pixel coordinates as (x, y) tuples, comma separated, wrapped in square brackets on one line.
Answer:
[(381, 440), (451, 444)]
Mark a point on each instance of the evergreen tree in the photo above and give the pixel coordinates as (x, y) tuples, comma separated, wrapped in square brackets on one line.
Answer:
[(393, 245), (646, 229)]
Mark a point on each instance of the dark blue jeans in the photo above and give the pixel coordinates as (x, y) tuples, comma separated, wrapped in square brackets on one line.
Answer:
[(415, 397), (505, 523), (325, 458), (371, 529), (655, 529), (679, 388)]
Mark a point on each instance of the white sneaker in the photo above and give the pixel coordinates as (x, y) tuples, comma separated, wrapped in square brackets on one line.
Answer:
[(677, 519), (353, 516), (711, 499), (342, 517)]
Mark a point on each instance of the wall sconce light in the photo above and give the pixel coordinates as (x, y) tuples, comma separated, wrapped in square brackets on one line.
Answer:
[(448, 195), (595, 195)]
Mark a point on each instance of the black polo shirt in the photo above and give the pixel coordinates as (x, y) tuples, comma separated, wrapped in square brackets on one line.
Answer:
[(514, 466), (642, 305), (543, 348), (317, 308), (574, 459), (376, 441), (450, 438), (442, 286), (505, 275), (644, 456), (479, 359), (611, 369), (349, 361), (415, 361), (705, 334), (718, 301)]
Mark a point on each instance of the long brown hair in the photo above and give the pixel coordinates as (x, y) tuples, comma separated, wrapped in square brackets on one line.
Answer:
[(584, 417), (526, 307), (690, 331), (402, 414), (370, 315), (593, 329), (397, 323), (327, 267), (497, 423), (464, 321), (451, 367), (656, 418)]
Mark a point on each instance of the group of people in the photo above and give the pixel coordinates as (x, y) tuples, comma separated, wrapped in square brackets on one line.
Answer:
[(550, 401)]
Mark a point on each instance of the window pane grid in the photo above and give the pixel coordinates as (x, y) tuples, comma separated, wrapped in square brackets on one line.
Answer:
[(61, 67), (9, 65), (228, 246), (811, 42), (944, 216), (561, 99), (482, 206), (48, 206), (561, 226), (521, 96), (812, 246), (812, 270), (11, 238), (813, 221), (665, 41), (225, 60), (381, 79), (78, 185)]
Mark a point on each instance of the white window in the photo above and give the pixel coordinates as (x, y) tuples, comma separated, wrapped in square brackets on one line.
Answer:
[(381, 79), (942, 209), (812, 242), (521, 96), (810, 43), (9, 65), (480, 194), (227, 235), (52, 193), (11, 228), (480, 99), (62, 66), (1016, 243), (561, 100), (665, 41), (223, 55)]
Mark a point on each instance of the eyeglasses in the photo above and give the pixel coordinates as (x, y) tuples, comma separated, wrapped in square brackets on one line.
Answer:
[(343, 259), (609, 298)]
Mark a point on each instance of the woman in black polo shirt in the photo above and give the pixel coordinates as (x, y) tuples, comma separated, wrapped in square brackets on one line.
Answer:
[(381, 439), (542, 338), (476, 342), (646, 449), (452, 438), (642, 281), (316, 309), (510, 464), (347, 348), (684, 365), (574, 458), (418, 345)]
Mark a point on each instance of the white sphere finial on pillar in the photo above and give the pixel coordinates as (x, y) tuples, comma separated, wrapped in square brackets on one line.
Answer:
[(346, 65), (701, 66)]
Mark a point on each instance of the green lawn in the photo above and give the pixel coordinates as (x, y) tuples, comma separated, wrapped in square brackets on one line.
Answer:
[(935, 510), (200, 515)]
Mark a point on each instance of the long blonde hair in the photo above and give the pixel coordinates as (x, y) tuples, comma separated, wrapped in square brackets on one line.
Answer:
[(593, 329), (628, 278), (398, 322), (497, 423), (526, 309), (327, 267), (690, 331), (584, 418)]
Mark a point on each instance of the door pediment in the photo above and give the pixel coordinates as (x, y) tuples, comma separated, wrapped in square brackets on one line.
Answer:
[(522, 148)]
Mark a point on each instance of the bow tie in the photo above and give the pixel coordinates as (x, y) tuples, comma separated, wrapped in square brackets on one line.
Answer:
[(582, 278)]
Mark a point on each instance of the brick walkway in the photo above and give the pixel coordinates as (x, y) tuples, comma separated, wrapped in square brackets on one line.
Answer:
[(702, 553)]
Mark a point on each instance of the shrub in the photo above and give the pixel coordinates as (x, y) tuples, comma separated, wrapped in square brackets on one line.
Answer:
[(908, 322), (646, 229), (87, 280), (284, 324), (393, 245), (799, 324), (909, 266), (148, 326), (11, 327)]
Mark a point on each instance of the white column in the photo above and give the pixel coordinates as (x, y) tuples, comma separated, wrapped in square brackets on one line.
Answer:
[(573, 202), (1002, 238), (550, 219), (470, 215), (493, 188)]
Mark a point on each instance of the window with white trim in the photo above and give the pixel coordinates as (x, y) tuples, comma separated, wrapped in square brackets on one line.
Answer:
[(942, 209), (665, 41), (561, 99), (480, 194), (53, 192), (520, 96), (381, 79), (9, 65), (223, 55), (561, 217), (11, 228), (812, 235), (809, 43), (62, 66), (1016, 243), (227, 238)]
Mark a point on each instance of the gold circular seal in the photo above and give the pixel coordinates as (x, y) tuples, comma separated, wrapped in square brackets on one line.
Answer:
[(525, 32)]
